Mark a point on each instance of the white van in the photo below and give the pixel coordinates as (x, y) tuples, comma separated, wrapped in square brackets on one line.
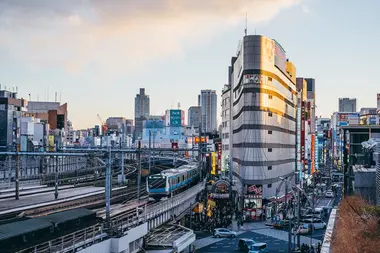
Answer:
[(319, 213)]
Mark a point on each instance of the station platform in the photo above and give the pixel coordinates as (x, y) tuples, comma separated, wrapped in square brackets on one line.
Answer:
[(4, 188), (31, 191), (7, 204)]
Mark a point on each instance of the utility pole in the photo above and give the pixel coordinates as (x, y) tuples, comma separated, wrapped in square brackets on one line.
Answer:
[(200, 150), (108, 185), (56, 178), (290, 222), (150, 149), (298, 218), (17, 175), (139, 169), (122, 168)]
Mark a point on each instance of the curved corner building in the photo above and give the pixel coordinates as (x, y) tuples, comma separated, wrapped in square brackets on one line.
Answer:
[(264, 117)]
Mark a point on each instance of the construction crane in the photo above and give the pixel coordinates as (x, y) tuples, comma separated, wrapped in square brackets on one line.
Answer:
[(104, 126)]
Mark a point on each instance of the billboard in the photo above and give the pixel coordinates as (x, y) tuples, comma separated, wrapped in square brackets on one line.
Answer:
[(213, 163), (176, 118), (302, 131), (219, 158), (345, 118), (279, 57), (378, 103), (253, 191)]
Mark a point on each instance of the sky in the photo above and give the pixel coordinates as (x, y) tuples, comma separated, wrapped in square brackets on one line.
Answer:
[(97, 54)]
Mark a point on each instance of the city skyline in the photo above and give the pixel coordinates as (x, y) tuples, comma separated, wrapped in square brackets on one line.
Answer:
[(52, 52)]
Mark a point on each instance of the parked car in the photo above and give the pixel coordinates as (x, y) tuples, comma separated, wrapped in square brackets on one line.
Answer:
[(304, 229), (245, 244), (319, 213), (316, 223), (259, 248), (223, 232), (329, 194)]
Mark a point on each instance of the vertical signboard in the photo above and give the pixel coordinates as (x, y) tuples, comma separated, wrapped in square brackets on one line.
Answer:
[(312, 153), (182, 118), (213, 163), (302, 132), (219, 158), (299, 164), (51, 142)]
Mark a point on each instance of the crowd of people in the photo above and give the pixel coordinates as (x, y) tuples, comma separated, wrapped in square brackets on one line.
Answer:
[(305, 248)]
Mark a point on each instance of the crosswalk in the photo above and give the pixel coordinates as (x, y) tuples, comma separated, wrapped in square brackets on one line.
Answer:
[(281, 236)]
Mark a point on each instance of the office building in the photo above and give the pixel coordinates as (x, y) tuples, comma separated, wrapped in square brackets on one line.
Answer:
[(347, 104), (208, 101), (11, 110), (194, 116), (142, 112), (264, 119), (225, 126)]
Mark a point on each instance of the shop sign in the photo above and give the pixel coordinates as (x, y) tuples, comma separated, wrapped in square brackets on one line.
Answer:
[(220, 195), (254, 190)]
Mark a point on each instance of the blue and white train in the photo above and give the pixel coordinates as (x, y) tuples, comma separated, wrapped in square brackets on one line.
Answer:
[(171, 180)]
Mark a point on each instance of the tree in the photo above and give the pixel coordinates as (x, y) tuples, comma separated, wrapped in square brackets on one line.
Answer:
[(357, 227)]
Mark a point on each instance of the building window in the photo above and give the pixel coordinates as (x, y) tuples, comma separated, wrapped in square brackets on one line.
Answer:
[(269, 150), (270, 96), (269, 185), (269, 167), (269, 131), (270, 114)]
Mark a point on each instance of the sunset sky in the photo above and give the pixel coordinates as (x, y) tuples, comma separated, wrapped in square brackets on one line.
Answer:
[(99, 53)]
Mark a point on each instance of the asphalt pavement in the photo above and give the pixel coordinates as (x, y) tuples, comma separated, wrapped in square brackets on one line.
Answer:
[(229, 245)]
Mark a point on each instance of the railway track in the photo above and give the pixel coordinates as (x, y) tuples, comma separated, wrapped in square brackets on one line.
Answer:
[(90, 201)]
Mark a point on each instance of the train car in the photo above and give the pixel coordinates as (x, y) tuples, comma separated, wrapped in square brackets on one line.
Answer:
[(24, 234), (171, 180), (69, 221)]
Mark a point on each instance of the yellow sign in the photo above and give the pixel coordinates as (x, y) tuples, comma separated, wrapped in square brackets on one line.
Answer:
[(213, 163), (51, 142)]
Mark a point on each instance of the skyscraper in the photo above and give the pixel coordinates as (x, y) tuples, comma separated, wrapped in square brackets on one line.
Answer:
[(194, 116), (208, 101), (142, 112), (263, 97), (347, 104)]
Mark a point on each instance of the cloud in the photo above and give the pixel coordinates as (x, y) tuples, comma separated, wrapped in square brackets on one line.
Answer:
[(305, 8), (119, 35)]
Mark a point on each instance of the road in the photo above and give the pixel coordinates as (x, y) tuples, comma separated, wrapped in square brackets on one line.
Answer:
[(231, 244)]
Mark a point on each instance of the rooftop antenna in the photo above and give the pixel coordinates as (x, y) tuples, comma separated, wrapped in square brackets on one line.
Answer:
[(179, 105), (30, 97), (16, 89), (55, 97), (246, 24)]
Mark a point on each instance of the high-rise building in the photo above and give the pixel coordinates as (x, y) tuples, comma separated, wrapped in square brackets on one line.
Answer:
[(142, 111), (194, 116), (208, 100), (347, 104), (264, 118), (11, 110)]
